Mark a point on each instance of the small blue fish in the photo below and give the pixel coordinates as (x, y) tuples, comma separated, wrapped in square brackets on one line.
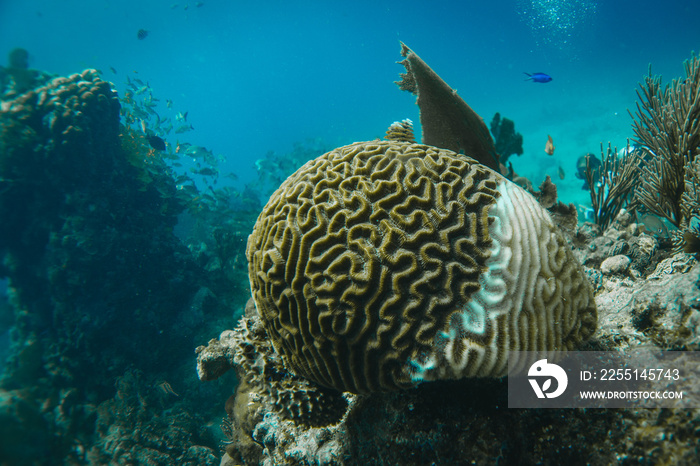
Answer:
[(538, 77)]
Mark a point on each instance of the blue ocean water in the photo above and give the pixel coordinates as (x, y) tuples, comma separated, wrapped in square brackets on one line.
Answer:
[(260, 76)]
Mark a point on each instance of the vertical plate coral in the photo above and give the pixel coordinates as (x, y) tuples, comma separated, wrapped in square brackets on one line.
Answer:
[(447, 120)]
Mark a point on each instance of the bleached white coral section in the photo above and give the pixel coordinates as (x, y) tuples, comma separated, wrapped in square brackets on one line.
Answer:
[(479, 335)]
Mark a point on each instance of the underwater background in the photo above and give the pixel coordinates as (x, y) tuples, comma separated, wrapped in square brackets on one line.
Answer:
[(115, 267), (260, 76)]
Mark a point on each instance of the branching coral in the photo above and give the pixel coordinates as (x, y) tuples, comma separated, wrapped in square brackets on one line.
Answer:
[(667, 123), (611, 184)]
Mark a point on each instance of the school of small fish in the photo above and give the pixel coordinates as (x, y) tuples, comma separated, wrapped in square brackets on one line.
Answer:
[(140, 112)]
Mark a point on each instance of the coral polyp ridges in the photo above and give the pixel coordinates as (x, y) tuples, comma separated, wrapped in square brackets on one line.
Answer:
[(513, 309), (368, 262)]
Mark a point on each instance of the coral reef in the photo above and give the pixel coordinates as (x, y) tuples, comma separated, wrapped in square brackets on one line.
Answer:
[(318, 261), (21, 420), (468, 423), (383, 264), (140, 425), (98, 283), (17, 78), (447, 121)]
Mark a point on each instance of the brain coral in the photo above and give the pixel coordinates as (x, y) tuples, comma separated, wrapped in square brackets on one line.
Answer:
[(383, 264)]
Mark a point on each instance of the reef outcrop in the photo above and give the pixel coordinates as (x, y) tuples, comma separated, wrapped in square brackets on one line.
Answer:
[(99, 285)]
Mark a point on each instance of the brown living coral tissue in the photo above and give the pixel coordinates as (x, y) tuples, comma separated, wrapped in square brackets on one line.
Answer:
[(383, 264), (447, 121)]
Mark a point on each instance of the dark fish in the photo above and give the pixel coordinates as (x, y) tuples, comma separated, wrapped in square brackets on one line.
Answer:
[(156, 142), (183, 129), (142, 34), (538, 77), (206, 171), (198, 152), (113, 70), (561, 173)]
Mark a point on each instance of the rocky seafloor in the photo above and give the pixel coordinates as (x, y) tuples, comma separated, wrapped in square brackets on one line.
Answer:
[(647, 297)]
